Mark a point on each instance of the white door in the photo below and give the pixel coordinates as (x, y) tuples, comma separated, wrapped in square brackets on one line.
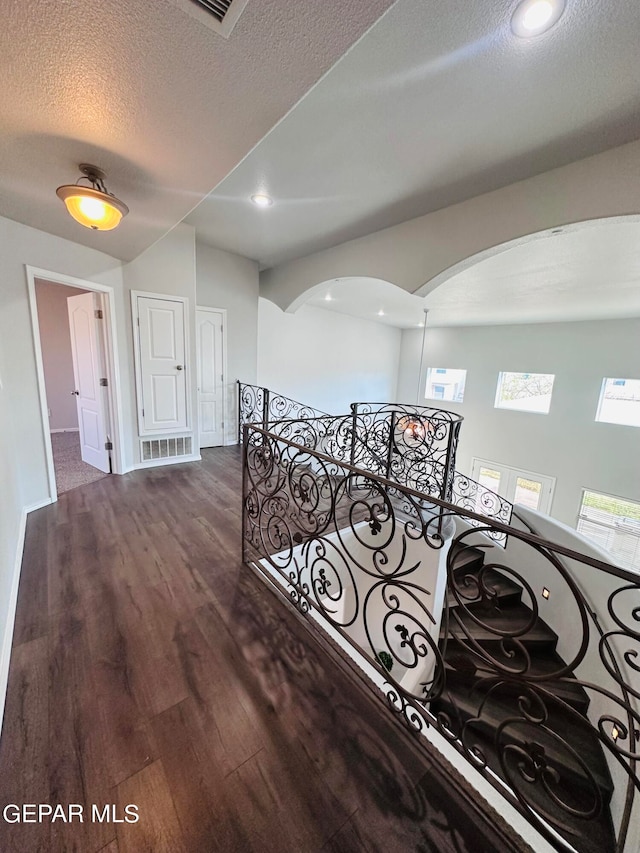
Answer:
[(519, 487), (211, 379), (162, 397), (86, 351)]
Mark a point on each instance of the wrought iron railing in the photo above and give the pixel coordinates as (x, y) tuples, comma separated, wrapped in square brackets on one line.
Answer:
[(258, 405), (414, 445), (452, 632)]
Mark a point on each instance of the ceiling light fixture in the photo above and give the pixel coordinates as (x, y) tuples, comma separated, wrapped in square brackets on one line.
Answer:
[(262, 200), (381, 313), (534, 17), (328, 298), (92, 206)]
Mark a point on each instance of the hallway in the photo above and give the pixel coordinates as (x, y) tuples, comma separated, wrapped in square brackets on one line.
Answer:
[(150, 667)]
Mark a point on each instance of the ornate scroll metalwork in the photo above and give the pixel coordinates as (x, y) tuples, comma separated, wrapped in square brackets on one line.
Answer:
[(451, 628), (257, 405), (413, 445)]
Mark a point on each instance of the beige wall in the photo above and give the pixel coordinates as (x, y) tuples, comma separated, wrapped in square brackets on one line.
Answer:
[(55, 339)]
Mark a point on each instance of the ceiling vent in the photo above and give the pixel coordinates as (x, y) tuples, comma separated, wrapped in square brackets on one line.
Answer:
[(219, 15)]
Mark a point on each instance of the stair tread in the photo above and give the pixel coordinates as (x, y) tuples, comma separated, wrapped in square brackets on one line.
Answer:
[(498, 707), (467, 557), (500, 586), (508, 619), (566, 688)]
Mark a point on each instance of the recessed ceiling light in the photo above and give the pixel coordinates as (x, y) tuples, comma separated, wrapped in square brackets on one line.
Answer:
[(381, 313), (262, 200), (533, 17), (328, 297)]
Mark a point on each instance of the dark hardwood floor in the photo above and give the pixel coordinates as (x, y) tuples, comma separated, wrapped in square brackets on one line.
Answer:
[(150, 667)]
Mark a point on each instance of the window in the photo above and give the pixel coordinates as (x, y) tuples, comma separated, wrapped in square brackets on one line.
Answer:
[(444, 383), (525, 392), (613, 524), (620, 402), (519, 487)]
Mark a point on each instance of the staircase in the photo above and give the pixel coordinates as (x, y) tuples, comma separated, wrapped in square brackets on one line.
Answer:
[(505, 701)]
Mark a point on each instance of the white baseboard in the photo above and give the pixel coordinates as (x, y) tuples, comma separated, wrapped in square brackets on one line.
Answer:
[(7, 639), (157, 463), (66, 429)]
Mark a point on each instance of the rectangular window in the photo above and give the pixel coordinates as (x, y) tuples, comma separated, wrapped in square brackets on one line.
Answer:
[(525, 392), (613, 524), (620, 402), (445, 383)]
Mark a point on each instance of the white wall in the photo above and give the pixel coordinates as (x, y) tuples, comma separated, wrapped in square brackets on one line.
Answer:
[(567, 443), (23, 470), (229, 281), (10, 528), (419, 251), (53, 320), (326, 359), (167, 267), (22, 245)]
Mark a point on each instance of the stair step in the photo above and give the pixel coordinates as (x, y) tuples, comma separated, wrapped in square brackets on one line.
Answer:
[(466, 558), (466, 704), (489, 587), (510, 620), (463, 670)]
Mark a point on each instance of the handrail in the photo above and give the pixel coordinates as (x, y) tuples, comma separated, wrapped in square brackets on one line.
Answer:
[(354, 552), (631, 791), (256, 400), (455, 510), (401, 449)]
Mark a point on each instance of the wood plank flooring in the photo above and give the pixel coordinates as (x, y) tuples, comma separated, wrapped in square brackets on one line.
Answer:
[(150, 667)]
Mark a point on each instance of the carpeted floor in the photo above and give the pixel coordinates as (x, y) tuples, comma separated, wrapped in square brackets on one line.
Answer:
[(71, 471)]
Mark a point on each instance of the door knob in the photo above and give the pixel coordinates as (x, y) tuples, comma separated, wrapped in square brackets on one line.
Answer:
[(178, 367), (76, 393)]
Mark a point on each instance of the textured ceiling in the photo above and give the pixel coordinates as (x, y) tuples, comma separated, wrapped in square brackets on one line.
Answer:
[(588, 271), (165, 105), (437, 103)]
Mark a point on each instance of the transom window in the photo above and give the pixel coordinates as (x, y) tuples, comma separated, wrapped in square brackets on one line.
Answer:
[(445, 383), (619, 402), (525, 392), (613, 524)]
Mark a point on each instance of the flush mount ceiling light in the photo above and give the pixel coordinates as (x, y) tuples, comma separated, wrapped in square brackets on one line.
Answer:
[(533, 17), (381, 313), (262, 200), (92, 206)]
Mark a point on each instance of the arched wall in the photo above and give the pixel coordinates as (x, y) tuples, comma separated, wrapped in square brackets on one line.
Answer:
[(304, 297), (416, 254)]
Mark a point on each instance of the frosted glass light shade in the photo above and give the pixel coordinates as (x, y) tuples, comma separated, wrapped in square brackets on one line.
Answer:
[(92, 208)]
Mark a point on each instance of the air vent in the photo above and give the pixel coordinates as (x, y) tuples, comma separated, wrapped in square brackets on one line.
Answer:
[(165, 448), (218, 8), (218, 15)]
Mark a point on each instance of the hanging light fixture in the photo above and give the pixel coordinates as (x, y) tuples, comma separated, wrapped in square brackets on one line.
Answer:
[(93, 205)]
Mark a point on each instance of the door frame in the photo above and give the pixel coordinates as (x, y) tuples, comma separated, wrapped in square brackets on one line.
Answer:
[(114, 397), (135, 322), (223, 311)]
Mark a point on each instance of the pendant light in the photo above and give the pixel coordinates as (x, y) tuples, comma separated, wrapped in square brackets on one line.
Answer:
[(93, 205)]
